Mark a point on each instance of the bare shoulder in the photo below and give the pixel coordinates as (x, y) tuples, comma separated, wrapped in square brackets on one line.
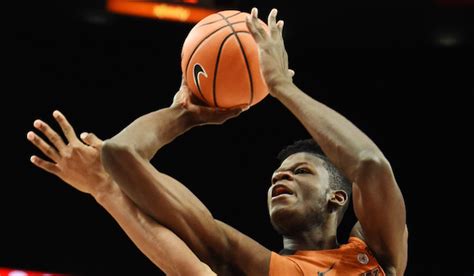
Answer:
[(357, 231), (389, 268)]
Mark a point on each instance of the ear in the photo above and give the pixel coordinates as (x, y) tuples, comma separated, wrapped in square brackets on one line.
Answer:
[(338, 198)]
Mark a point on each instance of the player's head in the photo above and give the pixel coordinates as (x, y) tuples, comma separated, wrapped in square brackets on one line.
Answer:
[(306, 189)]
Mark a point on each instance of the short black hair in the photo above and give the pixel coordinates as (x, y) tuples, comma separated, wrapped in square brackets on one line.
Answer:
[(337, 180)]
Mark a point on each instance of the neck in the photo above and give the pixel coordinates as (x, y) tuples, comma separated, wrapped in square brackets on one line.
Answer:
[(317, 238)]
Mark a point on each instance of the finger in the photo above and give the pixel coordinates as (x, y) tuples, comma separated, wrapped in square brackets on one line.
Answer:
[(234, 113), (65, 126), (183, 81), (291, 73), (223, 112), (257, 24), (230, 113), (45, 165), (252, 29), (177, 98), (279, 26), (52, 135), (242, 107), (274, 30), (91, 140), (285, 58), (45, 148)]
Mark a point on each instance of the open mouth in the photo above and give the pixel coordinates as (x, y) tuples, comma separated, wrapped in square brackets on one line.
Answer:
[(281, 189)]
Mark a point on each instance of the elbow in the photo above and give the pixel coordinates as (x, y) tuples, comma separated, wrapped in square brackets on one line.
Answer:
[(371, 158), (113, 154), (372, 164)]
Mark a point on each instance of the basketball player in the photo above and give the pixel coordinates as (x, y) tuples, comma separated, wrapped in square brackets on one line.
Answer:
[(78, 163), (308, 195)]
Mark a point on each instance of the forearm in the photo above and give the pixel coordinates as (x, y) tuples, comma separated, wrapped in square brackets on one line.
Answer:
[(164, 199), (344, 144), (147, 134), (155, 241)]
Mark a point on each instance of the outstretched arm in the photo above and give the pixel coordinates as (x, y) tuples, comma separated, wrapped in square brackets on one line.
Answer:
[(148, 133), (126, 159), (378, 201), (79, 165), (162, 246)]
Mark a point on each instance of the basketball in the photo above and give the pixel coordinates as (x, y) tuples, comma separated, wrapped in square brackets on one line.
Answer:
[(220, 63)]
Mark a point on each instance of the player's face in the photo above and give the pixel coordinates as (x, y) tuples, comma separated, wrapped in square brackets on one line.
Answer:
[(299, 190)]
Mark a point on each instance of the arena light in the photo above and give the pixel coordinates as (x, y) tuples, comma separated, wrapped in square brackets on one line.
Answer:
[(20, 272), (189, 11)]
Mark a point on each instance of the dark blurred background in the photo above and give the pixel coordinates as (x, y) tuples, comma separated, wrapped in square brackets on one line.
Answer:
[(402, 72)]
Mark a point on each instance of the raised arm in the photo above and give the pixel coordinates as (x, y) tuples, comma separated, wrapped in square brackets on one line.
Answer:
[(79, 165), (166, 199), (378, 201), (148, 133)]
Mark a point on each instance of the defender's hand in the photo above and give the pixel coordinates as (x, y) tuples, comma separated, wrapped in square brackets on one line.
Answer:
[(75, 162), (201, 114)]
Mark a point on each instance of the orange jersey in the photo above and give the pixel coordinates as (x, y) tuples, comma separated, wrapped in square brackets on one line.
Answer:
[(353, 258)]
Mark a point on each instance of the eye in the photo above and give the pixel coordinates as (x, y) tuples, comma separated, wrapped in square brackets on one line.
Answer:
[(301, 171)]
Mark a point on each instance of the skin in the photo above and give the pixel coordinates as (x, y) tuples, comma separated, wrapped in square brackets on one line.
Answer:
[(77, 162), (126, 157), (301, 216), (377, 200)]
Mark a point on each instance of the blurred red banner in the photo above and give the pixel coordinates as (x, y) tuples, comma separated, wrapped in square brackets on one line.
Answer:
[(19, 272)]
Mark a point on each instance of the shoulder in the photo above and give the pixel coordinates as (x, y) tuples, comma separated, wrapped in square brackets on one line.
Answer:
[(357, 232), (283, 265), (397, 268)]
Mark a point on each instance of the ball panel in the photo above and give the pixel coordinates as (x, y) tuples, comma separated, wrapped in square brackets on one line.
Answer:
[(218, 17), (202, 30), (233, 84), (238, 22), (197, 36), (260, 89), (229, 14), (205, 56), (240, 18)]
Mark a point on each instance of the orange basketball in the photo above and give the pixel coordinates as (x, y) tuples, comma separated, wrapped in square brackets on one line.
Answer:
[(220, 62)]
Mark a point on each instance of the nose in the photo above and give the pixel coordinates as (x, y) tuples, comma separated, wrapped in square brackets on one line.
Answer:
[(283, 175)]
